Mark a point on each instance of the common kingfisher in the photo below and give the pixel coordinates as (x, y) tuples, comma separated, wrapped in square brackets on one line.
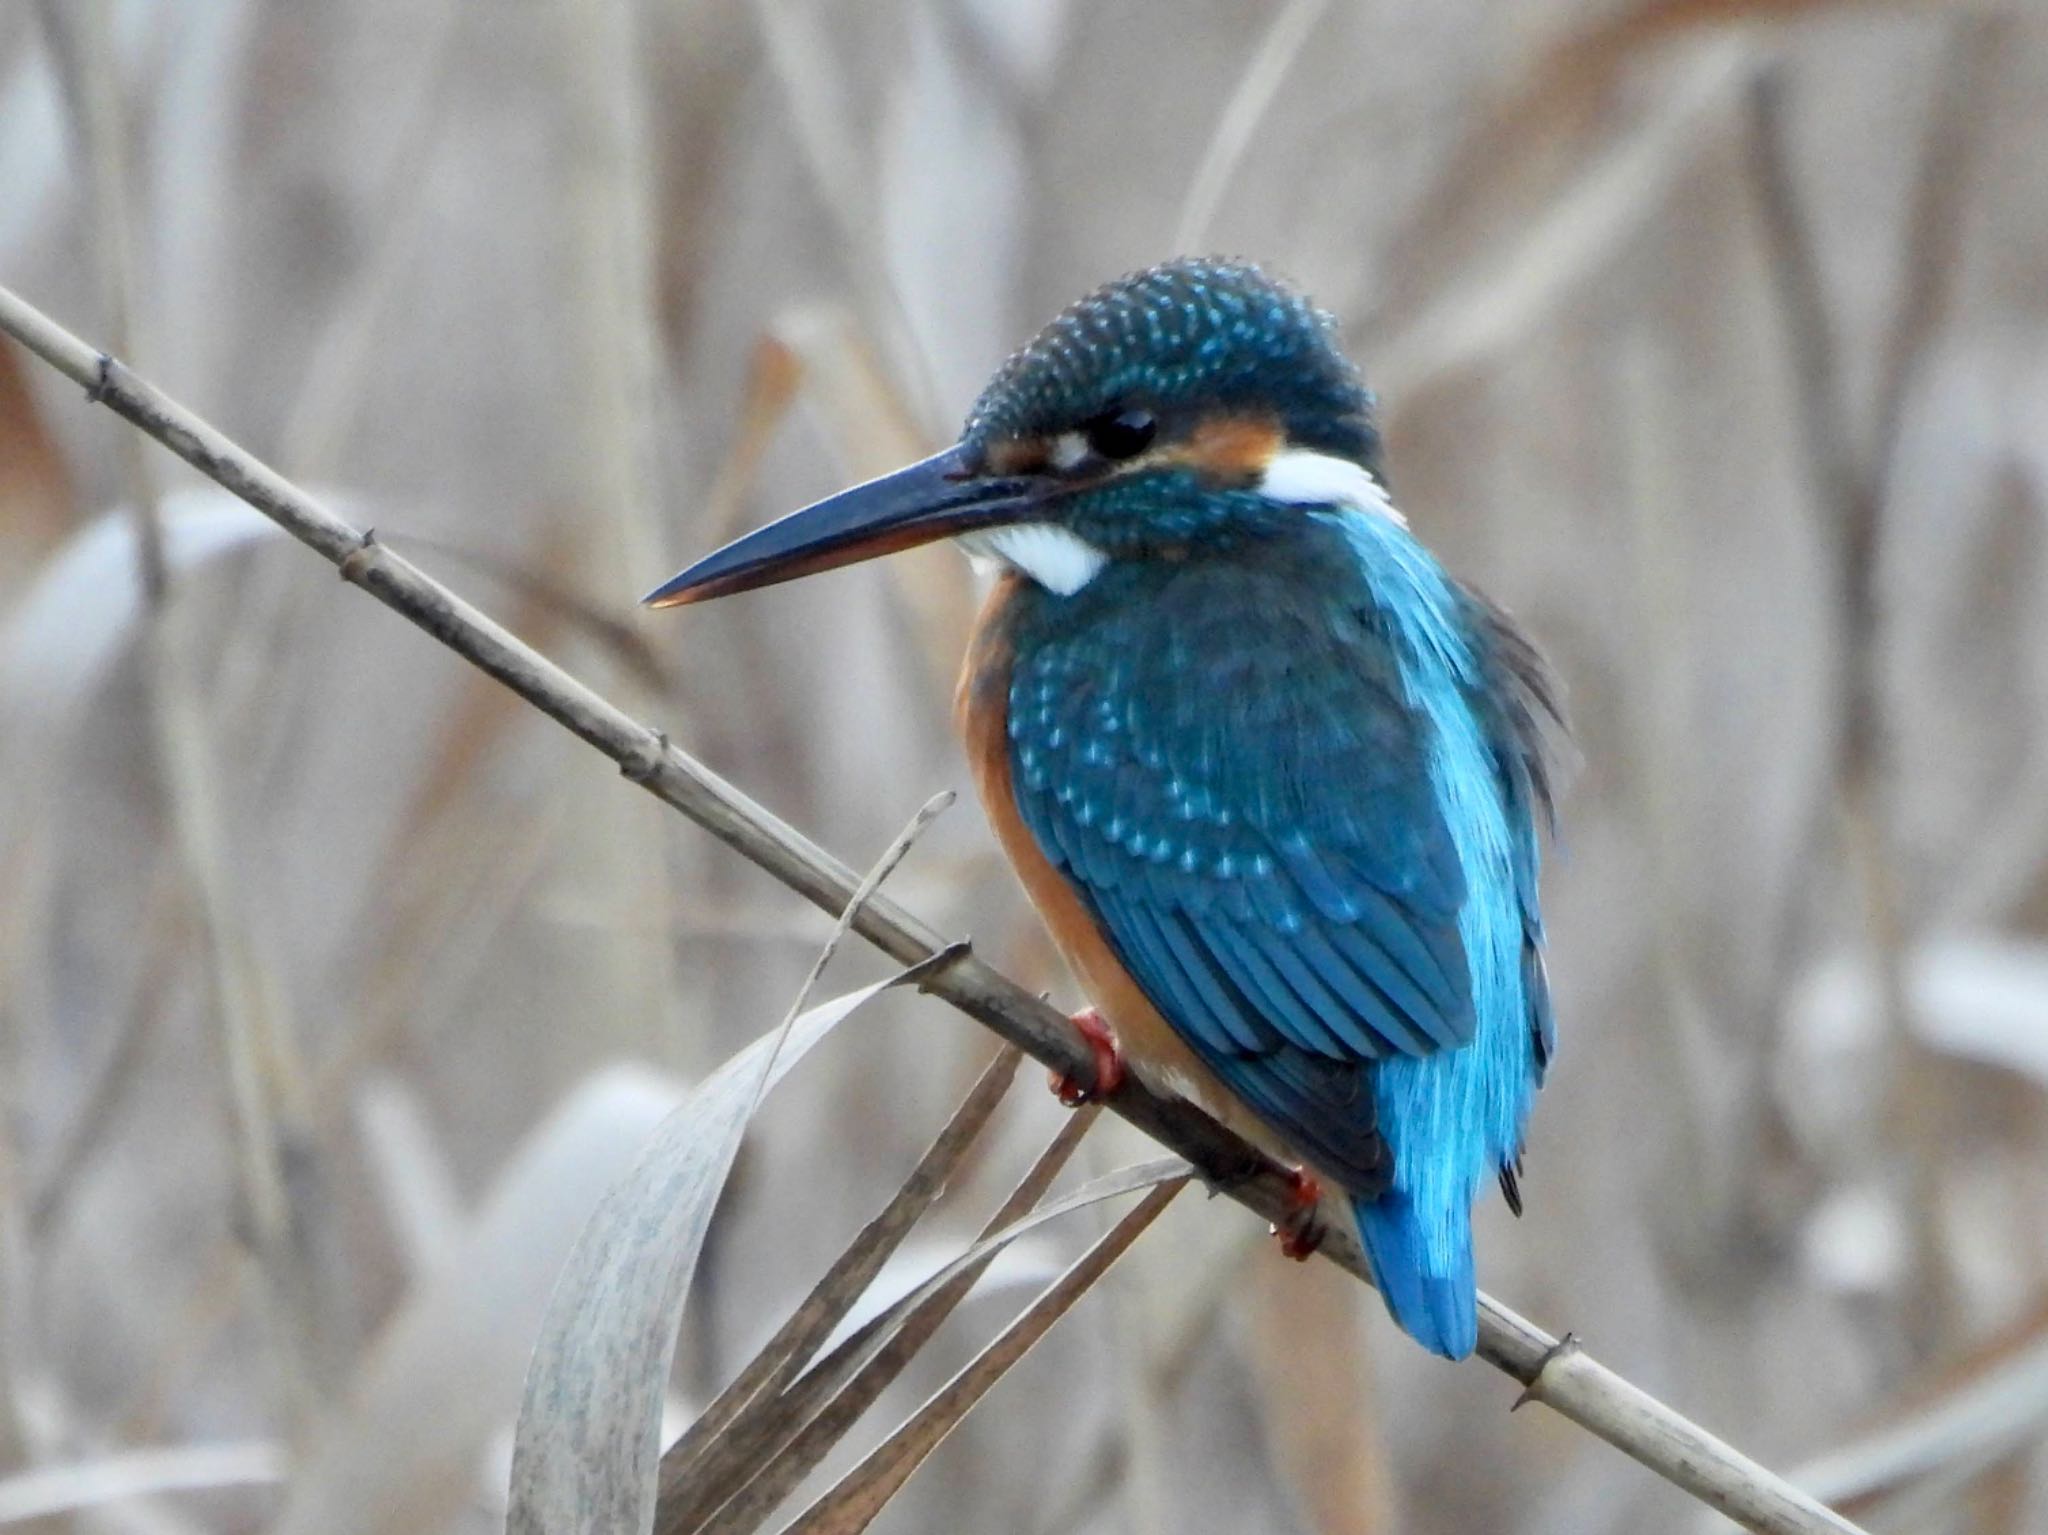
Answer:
[(1270, 776)]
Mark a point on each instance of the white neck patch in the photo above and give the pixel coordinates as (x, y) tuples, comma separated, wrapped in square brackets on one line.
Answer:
[(1057, 560), (1301, 477)]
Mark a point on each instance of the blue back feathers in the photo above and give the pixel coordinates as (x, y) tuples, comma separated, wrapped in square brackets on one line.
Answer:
[(1295, 786)]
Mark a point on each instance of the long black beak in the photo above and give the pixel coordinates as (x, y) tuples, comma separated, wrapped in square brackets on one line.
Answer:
[(930, 499)]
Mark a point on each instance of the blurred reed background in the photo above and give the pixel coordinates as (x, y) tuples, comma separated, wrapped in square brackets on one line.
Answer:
[(336, 985)]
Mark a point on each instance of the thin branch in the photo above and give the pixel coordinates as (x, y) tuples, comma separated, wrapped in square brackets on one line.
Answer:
[(1564, 1378)]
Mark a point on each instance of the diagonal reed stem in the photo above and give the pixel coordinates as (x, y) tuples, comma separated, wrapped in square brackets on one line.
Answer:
[(1564, 1377)]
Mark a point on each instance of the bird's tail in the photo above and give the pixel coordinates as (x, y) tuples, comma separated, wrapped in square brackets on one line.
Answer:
[(1434, 1302)]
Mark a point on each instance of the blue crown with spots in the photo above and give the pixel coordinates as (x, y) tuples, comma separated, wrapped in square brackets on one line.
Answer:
[(1185, 334)]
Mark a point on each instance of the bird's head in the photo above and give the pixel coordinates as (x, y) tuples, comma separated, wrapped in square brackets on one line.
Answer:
[(1170, 414)]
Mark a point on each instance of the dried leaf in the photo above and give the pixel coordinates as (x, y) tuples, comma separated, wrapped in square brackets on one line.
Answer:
[(58, 642), (833, 1297), (873, 1357), (1027, 1263), (588, 1439), (813, 1414), (853, 1503), (445, 1373), (1977, 997), (1127, 1180)]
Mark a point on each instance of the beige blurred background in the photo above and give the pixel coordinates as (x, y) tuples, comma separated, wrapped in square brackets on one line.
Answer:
[(1712, 337)]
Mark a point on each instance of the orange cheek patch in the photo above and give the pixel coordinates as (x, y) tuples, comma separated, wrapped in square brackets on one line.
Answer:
[(1017, 455), (1229, 450)]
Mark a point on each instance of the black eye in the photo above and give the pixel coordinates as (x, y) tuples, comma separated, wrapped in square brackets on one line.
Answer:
[(1120, 433)]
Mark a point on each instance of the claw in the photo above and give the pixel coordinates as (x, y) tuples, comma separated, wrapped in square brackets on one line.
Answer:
[(1109, 1063), (1302, 1232)]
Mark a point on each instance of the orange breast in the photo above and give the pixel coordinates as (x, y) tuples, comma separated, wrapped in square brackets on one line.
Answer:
[(1150, 1046)]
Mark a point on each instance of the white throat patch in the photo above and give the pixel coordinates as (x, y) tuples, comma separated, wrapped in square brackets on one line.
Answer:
[(1057, 560), (1301, 477)]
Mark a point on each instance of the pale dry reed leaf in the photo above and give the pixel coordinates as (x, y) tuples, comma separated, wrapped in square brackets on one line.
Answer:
[(444, 1374), (883, 867), (100, 1111), (873, 1358), (790, 1433), (833, 1298), (587, 1443), (81, 613), (75, 1487), (34, 154), (410, 1173), (423, 969), (866, 418), (612, 442), (1023, 42), (339, 372), (206, 92), (852, 1504), (1028, 1263), (1975, 996)]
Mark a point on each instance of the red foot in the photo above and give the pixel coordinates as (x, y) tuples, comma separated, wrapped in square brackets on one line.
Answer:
[(1109, 1063), (1303, 1232)]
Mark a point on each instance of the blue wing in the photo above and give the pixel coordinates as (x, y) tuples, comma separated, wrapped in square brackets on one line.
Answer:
[(1224, 765)]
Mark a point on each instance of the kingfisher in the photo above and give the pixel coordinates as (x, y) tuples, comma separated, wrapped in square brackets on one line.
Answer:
[(1271, 777)]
